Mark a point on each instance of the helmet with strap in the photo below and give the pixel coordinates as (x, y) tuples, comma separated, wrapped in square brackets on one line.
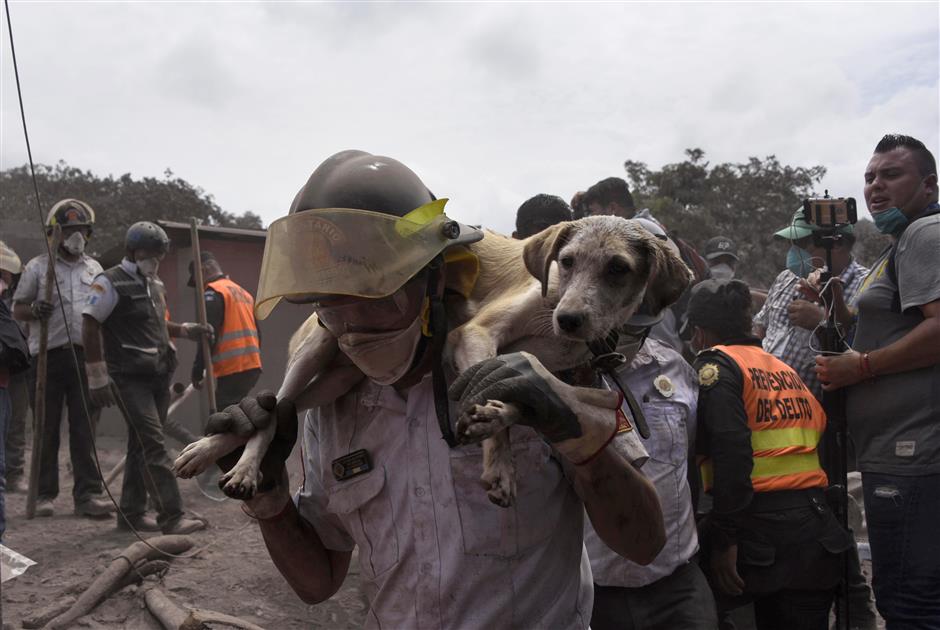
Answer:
[(146, 235), (70, 212), (362, 226)]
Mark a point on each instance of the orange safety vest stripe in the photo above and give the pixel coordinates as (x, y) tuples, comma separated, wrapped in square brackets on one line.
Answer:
[(236, 347), (786, 423)]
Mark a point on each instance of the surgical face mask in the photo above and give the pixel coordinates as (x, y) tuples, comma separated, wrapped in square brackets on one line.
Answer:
[(385, 357), (891, 221), (723, 271), (148, 266), (799, 261), (75, 244)]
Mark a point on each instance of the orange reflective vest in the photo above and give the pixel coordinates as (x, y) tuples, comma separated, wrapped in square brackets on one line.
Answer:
[(786, 423), (236, 347)]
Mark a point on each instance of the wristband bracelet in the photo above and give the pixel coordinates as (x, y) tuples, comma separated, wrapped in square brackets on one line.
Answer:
[(619, 427), (865, 360)]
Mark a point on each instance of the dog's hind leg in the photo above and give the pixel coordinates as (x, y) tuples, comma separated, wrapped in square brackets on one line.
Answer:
[(490, 423), (499, 474)]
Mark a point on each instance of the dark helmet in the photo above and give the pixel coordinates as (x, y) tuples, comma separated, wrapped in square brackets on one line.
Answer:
[(70, 212), (146, 235), (362, 181)]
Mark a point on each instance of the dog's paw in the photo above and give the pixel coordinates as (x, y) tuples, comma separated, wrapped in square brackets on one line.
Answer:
[(241, 482), (500, 483), (483, 421), (197, 457)]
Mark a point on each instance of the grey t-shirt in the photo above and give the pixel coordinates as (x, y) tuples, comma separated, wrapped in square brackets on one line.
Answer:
[(894, 419)]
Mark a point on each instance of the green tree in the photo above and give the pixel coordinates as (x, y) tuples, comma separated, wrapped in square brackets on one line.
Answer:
[(747, 202), (118, 201)]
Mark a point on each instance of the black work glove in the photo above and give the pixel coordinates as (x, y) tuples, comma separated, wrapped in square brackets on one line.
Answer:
[(41, 309), (519, 379), (254, 414)]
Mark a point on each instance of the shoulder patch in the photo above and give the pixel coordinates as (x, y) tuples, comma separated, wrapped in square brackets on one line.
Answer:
[(708, 374)]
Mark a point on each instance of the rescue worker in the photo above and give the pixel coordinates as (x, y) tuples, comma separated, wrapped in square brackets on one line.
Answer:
[(236, 347), (771, 538), (433, 551), (18, 387), (128, 309), (671, 592), (74, 271)]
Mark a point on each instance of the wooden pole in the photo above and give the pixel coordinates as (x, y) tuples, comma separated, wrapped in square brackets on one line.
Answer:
[(201, 313), (39, 408)]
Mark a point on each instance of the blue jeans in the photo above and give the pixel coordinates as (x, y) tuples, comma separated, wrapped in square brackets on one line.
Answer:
[(6, 413), (903, 514)]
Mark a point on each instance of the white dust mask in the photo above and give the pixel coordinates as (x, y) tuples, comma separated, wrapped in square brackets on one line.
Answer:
[(148, 266), (75, 244), (384, 357), (722, 271)]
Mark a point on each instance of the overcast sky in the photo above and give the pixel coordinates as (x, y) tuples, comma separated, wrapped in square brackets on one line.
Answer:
[(488, 103)]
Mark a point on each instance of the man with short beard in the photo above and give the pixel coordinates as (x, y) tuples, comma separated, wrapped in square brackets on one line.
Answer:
[(892, 381)]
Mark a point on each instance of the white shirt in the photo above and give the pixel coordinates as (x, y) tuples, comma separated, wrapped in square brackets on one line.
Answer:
[(434, 552), (672, 426), (74, 280)]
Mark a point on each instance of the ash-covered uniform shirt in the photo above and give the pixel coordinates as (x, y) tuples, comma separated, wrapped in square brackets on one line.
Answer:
[(894, 419), (75, 280), (433, 551), (792, 344), (671, 419)]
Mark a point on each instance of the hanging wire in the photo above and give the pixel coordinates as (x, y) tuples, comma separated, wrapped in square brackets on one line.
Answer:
[(75, 362)]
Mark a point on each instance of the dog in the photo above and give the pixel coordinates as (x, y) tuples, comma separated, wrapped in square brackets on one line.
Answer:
[(549, 294)]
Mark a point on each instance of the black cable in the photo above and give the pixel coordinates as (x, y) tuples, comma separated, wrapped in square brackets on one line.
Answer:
[(65, 319)]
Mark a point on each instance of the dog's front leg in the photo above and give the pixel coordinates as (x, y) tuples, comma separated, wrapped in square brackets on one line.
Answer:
[(241, 482)]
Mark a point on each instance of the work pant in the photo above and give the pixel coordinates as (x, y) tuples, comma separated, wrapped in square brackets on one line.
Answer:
[(65, 386), (16, 431), (230, 389), (902, 515), (148, 467), (6, 412), (681, 600)]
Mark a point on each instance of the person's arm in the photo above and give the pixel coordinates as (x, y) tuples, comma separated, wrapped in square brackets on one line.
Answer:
[(622, 505), (314, 572), (187, 330), (91, 339), (919, 348), (215, 316), (582, 425), (722, 421), (27, 304)]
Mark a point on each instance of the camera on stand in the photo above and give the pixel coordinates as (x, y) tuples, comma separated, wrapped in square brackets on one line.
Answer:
[(827, 212), (829, 215)]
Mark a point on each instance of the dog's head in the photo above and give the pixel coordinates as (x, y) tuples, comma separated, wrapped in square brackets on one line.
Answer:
[(607, 267)]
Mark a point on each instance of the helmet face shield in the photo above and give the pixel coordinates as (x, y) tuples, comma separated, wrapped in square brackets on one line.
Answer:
[(317, 254)]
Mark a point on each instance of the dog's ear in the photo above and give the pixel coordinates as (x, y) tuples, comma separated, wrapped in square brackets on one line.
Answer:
[(669, 277), (542, 249)]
